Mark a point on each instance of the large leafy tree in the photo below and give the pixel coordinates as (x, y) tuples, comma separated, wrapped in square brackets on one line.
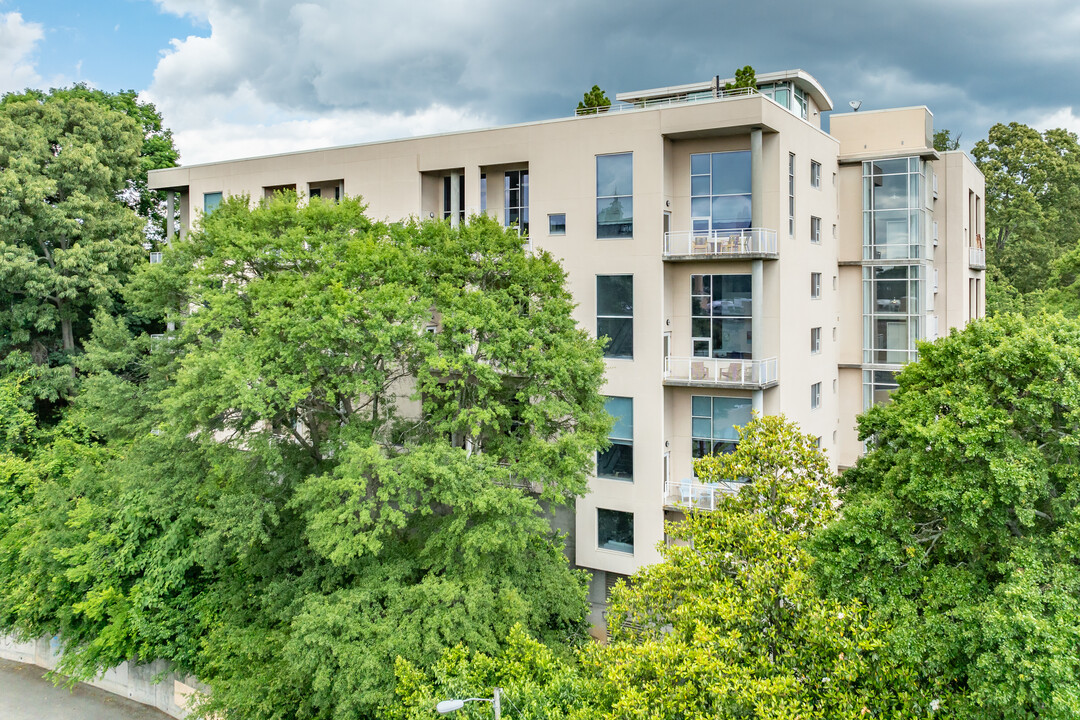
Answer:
[(731, 625), (960, 523), (72, 188), (1032, 199), (303, 483)]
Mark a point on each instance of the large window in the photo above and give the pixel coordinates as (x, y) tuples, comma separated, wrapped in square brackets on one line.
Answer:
[(615, 530), (893, 212), (516, 200), (211, 201), (815, 396), (617, 462), (815, 286), (891, 310), (815, 230), (713, 423), (721, 311), (720, 191), (815, 174), (815, 340), (615, 314), (448, 195), (878, 386), (615, 196)]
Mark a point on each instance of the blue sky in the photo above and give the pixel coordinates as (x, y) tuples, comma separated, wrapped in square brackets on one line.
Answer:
[(115, 44), (237, 78)]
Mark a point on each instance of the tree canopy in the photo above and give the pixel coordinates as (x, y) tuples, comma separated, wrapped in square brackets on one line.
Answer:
[(594, 101), (745, 77), (730, 625), (302, 483), (1032, 200), (73, 210), (960, 523)]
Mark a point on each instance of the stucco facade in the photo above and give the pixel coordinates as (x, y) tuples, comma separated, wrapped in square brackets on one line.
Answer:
[(762, 255)]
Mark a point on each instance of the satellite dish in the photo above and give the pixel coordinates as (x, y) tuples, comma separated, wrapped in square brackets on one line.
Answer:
[(855, 104)]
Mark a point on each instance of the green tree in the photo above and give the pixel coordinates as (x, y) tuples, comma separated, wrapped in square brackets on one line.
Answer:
[(944, 141), (72, 176), (1032, 200), (745, 77), (595, 101), (730, 625), (960, 523), (304, 484)]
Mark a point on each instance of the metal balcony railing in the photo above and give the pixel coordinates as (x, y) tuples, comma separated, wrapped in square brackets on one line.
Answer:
[(977, 258), (691, 493), (720, 372), (720, 244)]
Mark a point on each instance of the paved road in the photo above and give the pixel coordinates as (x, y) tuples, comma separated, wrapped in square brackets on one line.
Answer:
[(25, 695)]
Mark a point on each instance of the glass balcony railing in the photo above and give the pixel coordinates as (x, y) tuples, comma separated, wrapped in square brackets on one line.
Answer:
[(720, 244), (720, 372), (692, 494), (976, 258)]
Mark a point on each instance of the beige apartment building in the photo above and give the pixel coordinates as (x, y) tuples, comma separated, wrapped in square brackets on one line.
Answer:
[(739, 257)]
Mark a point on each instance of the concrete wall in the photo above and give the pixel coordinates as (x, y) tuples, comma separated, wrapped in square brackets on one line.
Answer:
[(138, 682)]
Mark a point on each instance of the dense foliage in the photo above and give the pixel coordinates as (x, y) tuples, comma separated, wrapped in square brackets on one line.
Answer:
[(1032, 211), (730, 625), (960, 524), (302, 484), (594, 101), (73, 218)]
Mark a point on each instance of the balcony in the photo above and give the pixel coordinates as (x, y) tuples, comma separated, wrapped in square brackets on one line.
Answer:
[(692, 494), (720, 373), (976, 258), (746, 244)]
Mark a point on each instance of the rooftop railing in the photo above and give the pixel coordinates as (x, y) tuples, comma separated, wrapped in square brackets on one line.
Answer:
[(720, 372), (720, 244), (681, 99)]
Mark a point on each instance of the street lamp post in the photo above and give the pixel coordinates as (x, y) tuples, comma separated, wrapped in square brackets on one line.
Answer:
[(449, 706)]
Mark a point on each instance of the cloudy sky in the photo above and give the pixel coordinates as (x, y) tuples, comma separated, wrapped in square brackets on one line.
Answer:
[(236, 78)]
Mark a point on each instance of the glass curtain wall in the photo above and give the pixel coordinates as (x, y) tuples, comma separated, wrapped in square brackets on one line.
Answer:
[(895, 223)]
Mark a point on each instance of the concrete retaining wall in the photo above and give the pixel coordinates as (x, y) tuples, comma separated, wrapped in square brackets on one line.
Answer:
[(133, 681)]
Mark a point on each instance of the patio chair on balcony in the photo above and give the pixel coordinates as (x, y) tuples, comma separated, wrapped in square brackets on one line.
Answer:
[(701, 244), (686, 492), (699, 371)]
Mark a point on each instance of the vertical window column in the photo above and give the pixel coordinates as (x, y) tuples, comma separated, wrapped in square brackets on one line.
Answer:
[(617, 462), (791, 194), (516, 200), (615, 196), (615, 314)]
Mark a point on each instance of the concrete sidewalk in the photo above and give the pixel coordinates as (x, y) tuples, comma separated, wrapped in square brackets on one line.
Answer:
[(26, 695)]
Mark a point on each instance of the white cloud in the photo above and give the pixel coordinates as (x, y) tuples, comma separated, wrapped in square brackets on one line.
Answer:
[(279, 75), (1064, 117), (18, 39), (240, 125)]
